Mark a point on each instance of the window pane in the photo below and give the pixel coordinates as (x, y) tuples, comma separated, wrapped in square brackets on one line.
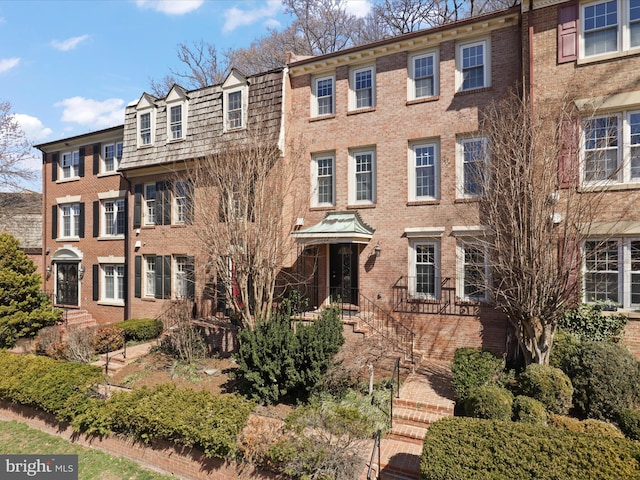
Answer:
[(176, 122), (324, 95), (601, 149), (635, 272), (325, 180), (364, 176), (425, 269), (364, 89), (474, 272), (425, 171), (145, 128), (601, 28), (473, 67), (234, 110), (601, 270), (473, 159)]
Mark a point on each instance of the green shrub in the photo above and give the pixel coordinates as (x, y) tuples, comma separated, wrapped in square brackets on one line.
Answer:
[(589, 323), (141, 329), (466, 448), (529, 410), (565, 346), (473, 368), (489, 401), (590, 426), (547, 384), (605, 378), (629, 422)]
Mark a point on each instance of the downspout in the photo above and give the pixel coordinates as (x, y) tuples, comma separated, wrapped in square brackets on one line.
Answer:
[(45, 250), (127, 235)]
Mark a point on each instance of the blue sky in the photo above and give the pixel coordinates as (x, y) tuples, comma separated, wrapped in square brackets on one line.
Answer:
[(70, 67)]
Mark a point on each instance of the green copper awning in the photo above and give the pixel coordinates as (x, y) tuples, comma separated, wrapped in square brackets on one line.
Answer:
[(336, 227)]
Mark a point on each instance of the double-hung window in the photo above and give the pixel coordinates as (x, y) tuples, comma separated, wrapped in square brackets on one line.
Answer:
[(70, 221), (423, 75), (113, 283), (175, 122), (149, 204), (609, 26), (362, 88), (425, 283), (472, 155), (323, 178), (70, 164), (323, 97), (150, 276), (112, 155), (473, 63), (473, 271), (114, 217), (424, 171), (234, 110), (184, 276), (362, 187), (144, 129), (181, 204)]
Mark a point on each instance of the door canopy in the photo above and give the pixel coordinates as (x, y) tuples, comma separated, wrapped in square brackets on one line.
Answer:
[(336, 227)]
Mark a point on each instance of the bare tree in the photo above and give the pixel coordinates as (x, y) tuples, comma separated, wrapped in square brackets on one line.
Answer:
[(535, 220), (15, 149), (245, 209)]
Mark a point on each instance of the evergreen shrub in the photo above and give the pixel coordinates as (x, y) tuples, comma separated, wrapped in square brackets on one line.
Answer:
[(547, 384), (629, 422), (490, 402), (141, 329), (529, 410), (590, 323), (473, 368)]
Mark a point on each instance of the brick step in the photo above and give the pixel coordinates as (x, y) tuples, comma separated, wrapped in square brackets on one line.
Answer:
[(393, 475), (407, 433), (418, 418), (445, 409)]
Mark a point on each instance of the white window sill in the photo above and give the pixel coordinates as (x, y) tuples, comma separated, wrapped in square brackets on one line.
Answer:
[(608, 56), (108, 174), (68, 239), (111, 303), (112, 237), (70, 179), (611, 186)]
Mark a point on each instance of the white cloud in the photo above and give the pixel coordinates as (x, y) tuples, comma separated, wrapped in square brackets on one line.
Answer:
[(7, 64), (32, 127), (92, 113), (359, 8), (170, 7), (234, 17), (69, 43)]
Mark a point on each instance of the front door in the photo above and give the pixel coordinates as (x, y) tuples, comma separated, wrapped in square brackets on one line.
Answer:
[(343, 272), (67, 284)]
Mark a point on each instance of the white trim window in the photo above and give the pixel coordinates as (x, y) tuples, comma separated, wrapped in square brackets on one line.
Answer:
[(472, 155), (150, 276), (113, 283), (473, 271), (424, 269), (424, 171), (363, 87), (323, 180), (183, 276), (323, 96), (70, 164), (113, 218), (112, 155), (146, 122), (181, 202), (473, 65), (149, 214), (611, 148), (175, 117), (423, 75), (362, 177), (609, 26), (234, 112), (70, 220)]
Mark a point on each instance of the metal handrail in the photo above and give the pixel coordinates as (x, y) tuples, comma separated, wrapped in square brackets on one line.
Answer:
[(443, 300), (376, 447), (396, 372)]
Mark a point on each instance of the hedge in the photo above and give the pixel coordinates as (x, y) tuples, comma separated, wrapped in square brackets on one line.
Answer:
[(467, 448), (547, 384), (141, 329), (474, 368)]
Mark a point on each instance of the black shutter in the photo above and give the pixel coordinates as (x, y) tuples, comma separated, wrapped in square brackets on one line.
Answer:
[(81, 162), (167, 276), (95, 274), (126, 216), (191, 278), (166, 207), (96, 159), (96, 218), (137, 206), (159, 279), (190, 203), (125, 282), (54, 222), (54, 167), (137, 277), (81, 226), (159, 202)]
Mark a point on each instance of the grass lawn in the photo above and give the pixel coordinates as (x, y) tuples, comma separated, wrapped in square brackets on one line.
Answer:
[(17, 438)]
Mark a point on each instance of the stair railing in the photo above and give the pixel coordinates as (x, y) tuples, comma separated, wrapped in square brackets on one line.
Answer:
[(376, 448), (395, 380)]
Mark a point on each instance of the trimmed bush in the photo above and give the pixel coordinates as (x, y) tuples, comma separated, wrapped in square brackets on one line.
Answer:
[(108, 339), (547, 384), (474, 368), (589, 323), (141, 329), (466, 448), (629, 422), (490, 402), (590, 426), (565, 345), (529, 410), (605, 378)]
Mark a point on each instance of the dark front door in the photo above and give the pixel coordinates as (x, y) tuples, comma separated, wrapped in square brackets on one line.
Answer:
[(67, 284), (343, 272)]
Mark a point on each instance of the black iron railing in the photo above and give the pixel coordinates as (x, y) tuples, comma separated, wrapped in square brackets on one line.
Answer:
[(438, 297), (376, 449), (394, 386)]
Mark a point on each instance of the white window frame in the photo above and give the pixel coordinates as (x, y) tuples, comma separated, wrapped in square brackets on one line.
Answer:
[(148, 204), (461, 164), (115, 159), (119, 217), (411, 83), (623, 27), (461, 247), (624, 150), (315, 99), (315, 179), (243, 91), (586, 271), (69, 212), (354, 175), (414, 244), (413, 170), (70, 165), (176, 129), (486, 64), (180, 202), (180, 272), (115, 273), (152, 127), (149, 276), (353, 90)]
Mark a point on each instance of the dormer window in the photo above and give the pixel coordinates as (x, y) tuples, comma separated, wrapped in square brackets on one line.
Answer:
[(235, 100), (175, 122), (234, 110), (176, 114), (146, 121)]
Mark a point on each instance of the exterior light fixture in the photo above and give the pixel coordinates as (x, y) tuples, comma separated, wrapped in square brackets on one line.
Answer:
[(377, 250)]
